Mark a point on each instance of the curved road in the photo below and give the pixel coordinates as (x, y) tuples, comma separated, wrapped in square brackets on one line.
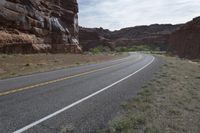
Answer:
[(84, 98)]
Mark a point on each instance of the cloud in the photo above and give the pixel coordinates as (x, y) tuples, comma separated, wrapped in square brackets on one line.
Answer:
[(116, 14)]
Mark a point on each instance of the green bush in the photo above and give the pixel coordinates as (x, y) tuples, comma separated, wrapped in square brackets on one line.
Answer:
[(99, 49), (106, 49), (134, 48)]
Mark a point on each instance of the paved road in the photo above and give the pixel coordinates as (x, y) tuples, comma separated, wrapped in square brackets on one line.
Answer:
[(83, 98)]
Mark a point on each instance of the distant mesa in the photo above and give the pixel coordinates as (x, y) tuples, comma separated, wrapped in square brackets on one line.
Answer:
[(180, 39), (154, 35)]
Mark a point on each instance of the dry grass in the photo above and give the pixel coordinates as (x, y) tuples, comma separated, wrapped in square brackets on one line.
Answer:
[(15, 65), (170, 103)]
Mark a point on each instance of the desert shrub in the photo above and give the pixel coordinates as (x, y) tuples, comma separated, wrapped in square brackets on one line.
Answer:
[(133, 48), (99, 49)]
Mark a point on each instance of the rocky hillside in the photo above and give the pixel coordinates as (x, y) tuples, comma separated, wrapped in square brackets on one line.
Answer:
[(93, 37), (29, 26), (153, 35), (144, 31), (186, 41)]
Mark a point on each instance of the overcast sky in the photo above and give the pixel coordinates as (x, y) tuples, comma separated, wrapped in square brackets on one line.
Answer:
[(117, 14)]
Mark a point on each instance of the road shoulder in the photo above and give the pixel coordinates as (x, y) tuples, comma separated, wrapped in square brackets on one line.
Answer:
[(19, 65), (168, 103)]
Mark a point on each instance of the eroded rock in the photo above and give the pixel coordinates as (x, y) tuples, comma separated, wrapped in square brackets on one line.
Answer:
[(51, 25), (153, 35), (186, 41)]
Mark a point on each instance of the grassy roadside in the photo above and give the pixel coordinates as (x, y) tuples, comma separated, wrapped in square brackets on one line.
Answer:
[(17, 65), (170, 103)]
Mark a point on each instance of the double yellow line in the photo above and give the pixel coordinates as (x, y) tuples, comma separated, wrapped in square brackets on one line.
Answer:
[(54, 81)]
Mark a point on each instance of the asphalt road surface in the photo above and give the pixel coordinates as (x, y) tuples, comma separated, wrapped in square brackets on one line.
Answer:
[(82, 99)]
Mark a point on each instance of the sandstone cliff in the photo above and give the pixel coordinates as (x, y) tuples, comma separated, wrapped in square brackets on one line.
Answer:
[(154, 35), (186, 41), (94, 37), (28, 26)]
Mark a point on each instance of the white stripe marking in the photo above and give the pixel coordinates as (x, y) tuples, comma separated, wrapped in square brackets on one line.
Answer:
[(79, 101)]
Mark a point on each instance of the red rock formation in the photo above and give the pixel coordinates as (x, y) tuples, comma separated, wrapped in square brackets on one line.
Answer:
[(94, 37), (50, 25), (186, 41), (153, 35)]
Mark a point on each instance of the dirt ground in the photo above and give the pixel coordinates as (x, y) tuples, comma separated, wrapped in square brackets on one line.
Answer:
[(16, 65)]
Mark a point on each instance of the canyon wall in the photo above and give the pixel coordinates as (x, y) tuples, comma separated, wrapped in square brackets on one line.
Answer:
[(182, 40), (30, 26), (153, 35), (94, 37), (185, 42)]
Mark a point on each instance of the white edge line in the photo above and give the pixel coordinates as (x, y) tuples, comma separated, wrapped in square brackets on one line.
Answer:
[(79, 101)]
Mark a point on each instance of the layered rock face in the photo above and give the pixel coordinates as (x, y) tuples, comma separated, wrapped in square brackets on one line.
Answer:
[(183, 39), (186, 41), (94, 37), (28, 26), (153, 35)]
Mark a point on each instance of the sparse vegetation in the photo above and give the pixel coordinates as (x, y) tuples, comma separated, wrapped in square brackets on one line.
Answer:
[(134, 48), (17, 64), (167, 104), (67, 129), (105, 49), (100, 49)]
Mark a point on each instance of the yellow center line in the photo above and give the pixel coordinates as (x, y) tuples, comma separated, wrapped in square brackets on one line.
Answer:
[(55, 81)]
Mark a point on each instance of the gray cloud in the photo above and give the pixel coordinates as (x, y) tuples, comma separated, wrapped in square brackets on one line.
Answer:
[(116, 14)]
